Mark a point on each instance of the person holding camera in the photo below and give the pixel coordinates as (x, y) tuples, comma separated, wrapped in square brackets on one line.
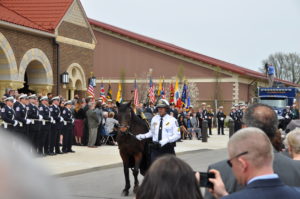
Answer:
[(251, 160), (164, 131)]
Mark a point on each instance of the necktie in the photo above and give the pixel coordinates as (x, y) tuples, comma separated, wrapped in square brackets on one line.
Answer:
[(160, 129)]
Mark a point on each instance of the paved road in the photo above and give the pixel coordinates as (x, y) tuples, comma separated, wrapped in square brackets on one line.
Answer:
[(108, 183)]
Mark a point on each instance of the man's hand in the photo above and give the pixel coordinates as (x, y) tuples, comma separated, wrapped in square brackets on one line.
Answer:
[(163, 142), (219, 188), (140, 136)]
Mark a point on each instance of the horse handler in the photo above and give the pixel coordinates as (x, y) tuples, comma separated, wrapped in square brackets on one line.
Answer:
[(164, 131)]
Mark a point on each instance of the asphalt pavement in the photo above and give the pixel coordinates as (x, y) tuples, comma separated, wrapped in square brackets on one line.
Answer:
[(108, 183)]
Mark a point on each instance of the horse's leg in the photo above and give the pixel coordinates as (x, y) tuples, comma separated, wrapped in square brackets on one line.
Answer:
[(135, 171), (125, 159)]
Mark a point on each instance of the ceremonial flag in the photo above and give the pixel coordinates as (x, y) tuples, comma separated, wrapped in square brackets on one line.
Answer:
[(159, 88), (119, 94), (109, 92), (171, 93), (136, 95), (102, 92), (151, 91), (176, 95), (162, 92), (184, 94), (90, 91), (188, 100)]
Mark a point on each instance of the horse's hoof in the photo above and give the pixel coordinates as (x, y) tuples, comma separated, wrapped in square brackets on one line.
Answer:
[(125, 192), (135, 189)]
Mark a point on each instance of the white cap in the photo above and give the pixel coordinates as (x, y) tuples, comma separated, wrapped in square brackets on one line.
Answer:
[(9, 99), (44, 98), (32, 96), (55, 98)]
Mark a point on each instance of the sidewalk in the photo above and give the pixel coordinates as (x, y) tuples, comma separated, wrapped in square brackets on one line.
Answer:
[(90, 159)]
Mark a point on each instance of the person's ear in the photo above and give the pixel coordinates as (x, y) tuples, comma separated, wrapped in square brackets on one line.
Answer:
[(244, 165)]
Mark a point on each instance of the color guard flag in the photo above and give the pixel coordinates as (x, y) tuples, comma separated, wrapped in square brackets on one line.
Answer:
[(102, 93), (184, 94), (162, 92), (171, 93), (90, 91), (109, 92), (119, 94), (136, 94), (176, 95), (151, 91)]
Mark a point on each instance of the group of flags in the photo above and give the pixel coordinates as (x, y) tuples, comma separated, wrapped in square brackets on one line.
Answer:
[(180, 100)]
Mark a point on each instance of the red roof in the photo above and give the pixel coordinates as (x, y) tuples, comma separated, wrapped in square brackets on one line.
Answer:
[(173, 48), (38, 14)]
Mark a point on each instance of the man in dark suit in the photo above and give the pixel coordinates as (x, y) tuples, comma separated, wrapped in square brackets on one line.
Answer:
[(263, 117), (251, 160)]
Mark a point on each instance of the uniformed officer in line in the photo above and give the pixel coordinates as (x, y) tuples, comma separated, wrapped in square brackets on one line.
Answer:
[(43, 145), (8, 115), (35, 125), (221, 118), (233, 113), (54, 134), (287, 114), (21, 116), (238, 118), (164, 131), (67, 128), (209, 118)]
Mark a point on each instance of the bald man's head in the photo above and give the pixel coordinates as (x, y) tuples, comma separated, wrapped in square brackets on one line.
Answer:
[(256, 143), (263, 117)]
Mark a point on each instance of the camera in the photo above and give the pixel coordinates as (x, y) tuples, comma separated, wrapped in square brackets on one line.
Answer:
[(204, 179)]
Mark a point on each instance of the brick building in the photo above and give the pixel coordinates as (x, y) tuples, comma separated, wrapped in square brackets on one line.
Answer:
[(41, 39)]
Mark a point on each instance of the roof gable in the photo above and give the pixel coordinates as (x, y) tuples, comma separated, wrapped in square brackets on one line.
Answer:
[(46, 14)]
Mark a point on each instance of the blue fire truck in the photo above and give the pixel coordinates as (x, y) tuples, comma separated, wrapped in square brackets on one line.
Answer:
[(278, 98)]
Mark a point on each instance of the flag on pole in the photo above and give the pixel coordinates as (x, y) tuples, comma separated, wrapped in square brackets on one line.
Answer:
[(176, 94), (109, 92), (119, 94), (151, 91), (159, 88), (184, 94), (102, 92), (136, 94), (172, 93), (188, 99), (90, 91), (162, 92)]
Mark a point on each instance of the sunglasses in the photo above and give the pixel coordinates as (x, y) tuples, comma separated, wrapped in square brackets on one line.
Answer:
[(237, 156)]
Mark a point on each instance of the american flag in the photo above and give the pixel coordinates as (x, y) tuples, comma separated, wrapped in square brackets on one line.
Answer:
[(136, 94), (162, 92), (90, 90), (151, 91)]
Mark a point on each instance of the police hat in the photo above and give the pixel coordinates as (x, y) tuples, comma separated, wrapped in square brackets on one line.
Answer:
[(9, 99), (44, 98), (208, 106), (23, 96), (32, 96), (232, 107), (162, 103), (203, 104), (221, 107), (55, 98), (68, 102)]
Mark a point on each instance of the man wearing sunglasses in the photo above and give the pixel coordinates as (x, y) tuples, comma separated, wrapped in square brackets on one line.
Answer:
[(263, 117), (251, 160)]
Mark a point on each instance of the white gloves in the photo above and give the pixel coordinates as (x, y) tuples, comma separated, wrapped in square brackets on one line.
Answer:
[(28, 121), (40, 118), (16, 123), (140, 136), (51, 119), (164, 142), (61, 119), (73, 121), (65, 123)]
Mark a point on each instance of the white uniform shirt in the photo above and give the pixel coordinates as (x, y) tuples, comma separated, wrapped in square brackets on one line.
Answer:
[(170, 129)]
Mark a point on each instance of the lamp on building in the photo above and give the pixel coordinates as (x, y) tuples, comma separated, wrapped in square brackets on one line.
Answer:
[(65, 78), (92, 81)]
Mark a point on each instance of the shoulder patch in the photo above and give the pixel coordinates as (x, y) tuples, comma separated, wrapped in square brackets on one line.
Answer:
[(18, 109), (51, 109), (27, 108), (3, 110), (64, 112), (41, 108)]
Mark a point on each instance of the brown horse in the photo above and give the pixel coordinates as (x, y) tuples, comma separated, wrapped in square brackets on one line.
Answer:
[(132, 151)]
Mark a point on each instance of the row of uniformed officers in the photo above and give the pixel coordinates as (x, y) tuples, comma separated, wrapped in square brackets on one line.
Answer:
[(39, 123)]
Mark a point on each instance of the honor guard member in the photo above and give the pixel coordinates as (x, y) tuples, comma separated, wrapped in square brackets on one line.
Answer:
[(57, 119), (67, 128), (21, 116), (221, 118), (8, 115), (35, 125), (287, 117), (209, 117), (43, 146), (164, 131), (237, 118)]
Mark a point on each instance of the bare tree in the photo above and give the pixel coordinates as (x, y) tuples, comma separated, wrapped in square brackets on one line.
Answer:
[(287, 66)]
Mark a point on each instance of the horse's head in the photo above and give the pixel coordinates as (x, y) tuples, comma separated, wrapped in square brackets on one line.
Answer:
[(124, 116)]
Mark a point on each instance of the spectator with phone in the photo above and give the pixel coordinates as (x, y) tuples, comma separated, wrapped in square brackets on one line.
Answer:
[(169, 178), (251, 160)]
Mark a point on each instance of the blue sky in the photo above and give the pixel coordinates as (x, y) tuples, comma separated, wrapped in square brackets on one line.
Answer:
[(242, 32)]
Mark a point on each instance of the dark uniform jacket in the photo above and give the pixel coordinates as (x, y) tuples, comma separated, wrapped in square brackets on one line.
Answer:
[(221, 116), (21, 113), (8, 115), (67, 115), (45, 112), (55, 113)]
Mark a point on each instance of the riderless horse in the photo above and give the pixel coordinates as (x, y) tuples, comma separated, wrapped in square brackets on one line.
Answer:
[(132, 151)]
